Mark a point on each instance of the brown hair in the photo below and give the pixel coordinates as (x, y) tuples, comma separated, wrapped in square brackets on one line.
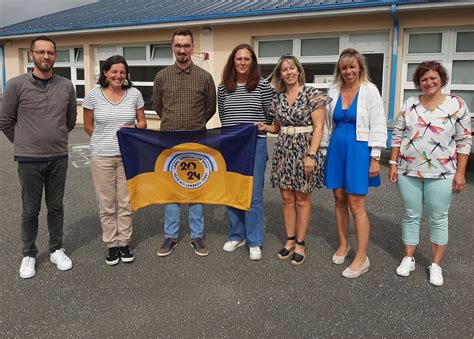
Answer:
[(42, 38), (426, 66), (277, 82), (114, 59), (229, 76), (348, 55), (183, 32)]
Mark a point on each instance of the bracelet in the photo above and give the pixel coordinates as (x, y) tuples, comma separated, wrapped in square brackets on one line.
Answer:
[(392, 162)]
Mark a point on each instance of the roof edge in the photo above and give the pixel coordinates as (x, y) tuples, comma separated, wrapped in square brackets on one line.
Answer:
[(195, 21)]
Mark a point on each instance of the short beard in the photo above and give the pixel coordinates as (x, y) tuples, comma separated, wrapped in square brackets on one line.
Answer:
[(179, 60), (43, 69)]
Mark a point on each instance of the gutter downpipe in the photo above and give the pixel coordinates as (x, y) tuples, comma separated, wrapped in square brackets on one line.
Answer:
[(3, 79), (393, 75)]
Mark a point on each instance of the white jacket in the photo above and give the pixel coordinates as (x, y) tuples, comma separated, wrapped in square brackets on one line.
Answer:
[(371, 122)]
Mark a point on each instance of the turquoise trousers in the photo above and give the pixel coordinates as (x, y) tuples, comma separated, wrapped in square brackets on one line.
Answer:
[(436, 195)]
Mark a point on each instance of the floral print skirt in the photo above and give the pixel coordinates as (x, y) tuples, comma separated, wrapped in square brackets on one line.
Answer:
[(288, 164)]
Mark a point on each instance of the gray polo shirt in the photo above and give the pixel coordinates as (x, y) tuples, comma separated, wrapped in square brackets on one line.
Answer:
[(37, 119)]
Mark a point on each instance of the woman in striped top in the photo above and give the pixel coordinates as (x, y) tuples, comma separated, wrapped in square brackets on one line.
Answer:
[(244, 97), (107, 108)]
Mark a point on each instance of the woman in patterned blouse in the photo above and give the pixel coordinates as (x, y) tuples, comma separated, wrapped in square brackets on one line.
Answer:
[(298, 115), (430, 148)]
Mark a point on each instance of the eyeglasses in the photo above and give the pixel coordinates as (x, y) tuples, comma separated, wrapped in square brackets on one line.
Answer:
[(178, 46), (44, 53)]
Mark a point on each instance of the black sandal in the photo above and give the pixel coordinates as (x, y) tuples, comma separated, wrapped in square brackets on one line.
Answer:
[(284, 253), (296, 258)]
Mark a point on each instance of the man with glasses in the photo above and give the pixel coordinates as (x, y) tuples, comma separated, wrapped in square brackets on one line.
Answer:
[(185, 99), (38, 111)]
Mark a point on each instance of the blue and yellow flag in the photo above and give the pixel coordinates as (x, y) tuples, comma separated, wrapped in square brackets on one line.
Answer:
[(212, 166)]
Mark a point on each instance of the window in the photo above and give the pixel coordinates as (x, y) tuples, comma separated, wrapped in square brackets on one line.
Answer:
[(63, 55), (463, 72), (319, 72), (454, 48), (161, 52), (319, 54), (465, 42), (425, 43), (134, 53), (144, 62), (318, 47), (275, 48), (411, 68), (69, 64), (78, 55)]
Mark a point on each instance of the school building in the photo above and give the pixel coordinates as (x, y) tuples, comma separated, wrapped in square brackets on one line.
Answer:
[(394, 36)]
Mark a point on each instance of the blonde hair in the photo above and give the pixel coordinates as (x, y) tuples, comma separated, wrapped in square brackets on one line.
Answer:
[(277, 82), (347, 56)]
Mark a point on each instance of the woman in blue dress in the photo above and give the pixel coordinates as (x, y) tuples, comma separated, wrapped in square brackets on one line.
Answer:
[(357, 133)]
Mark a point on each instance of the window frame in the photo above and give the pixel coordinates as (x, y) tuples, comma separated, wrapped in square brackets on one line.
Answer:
[(447, 56), (297, 40), (344, 42), (416, 32), (119, 48), (73, 64)]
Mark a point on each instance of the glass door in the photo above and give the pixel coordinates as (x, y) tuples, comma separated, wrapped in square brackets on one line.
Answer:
[(376, 69), (378, 63)]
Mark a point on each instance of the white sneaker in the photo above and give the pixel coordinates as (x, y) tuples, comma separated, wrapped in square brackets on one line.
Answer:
[(436, 275), (232, 245), (255, 253), (61, 260), (27, 268), (406, 266)]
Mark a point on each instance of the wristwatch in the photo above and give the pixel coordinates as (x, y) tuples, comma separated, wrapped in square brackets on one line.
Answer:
[(312, 156), (392, 162), (376, 158)]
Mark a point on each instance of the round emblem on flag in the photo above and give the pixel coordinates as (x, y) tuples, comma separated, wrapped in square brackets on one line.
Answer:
[(191, 169)]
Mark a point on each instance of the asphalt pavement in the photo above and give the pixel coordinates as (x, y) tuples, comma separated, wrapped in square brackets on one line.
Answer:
[(226, 294)]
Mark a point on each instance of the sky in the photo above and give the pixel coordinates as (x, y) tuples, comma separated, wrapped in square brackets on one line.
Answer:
[(13, 11)]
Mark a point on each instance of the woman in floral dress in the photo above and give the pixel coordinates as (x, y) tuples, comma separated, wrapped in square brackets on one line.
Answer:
[(297, 165)]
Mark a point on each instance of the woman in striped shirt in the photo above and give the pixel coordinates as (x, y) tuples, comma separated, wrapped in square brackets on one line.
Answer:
[(112, 105), (244, 97)]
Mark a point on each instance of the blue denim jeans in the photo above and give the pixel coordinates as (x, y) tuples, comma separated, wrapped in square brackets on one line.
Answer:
[(250, 225), (33, 177), (172, 217), (436, 195)]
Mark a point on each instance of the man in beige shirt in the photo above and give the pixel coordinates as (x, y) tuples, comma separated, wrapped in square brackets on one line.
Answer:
[(185, 99)]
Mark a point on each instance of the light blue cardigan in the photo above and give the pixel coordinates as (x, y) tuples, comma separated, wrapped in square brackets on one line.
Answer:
[(371, 122)]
